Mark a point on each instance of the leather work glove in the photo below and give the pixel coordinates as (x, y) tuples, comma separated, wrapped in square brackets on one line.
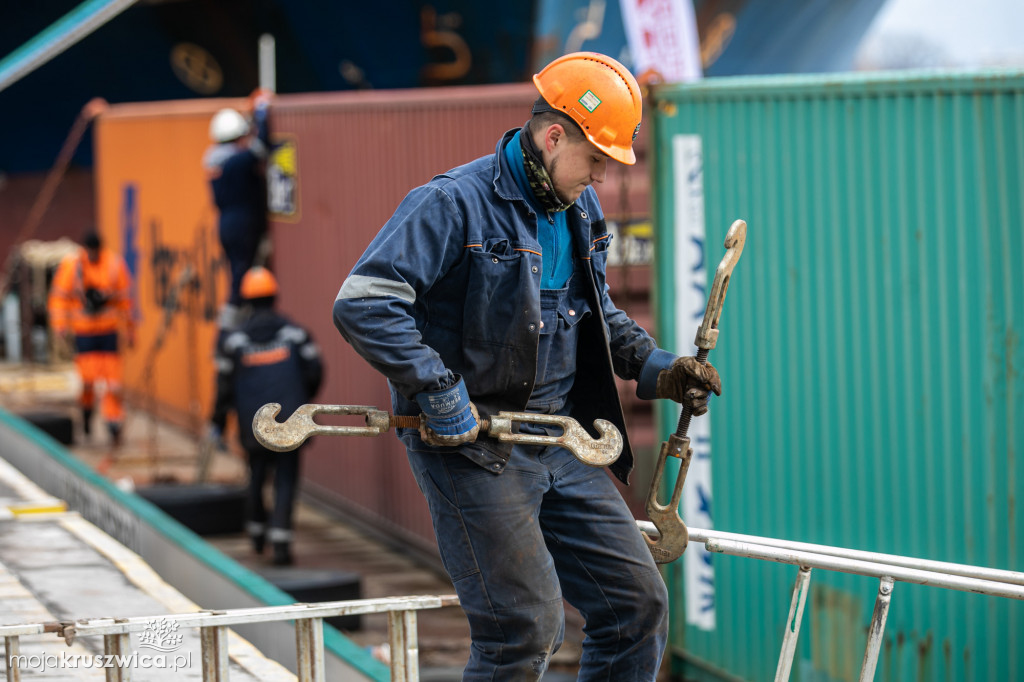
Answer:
[(451, 418), (688, 382)]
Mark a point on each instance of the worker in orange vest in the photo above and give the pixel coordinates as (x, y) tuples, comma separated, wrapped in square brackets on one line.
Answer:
[(90, 306)]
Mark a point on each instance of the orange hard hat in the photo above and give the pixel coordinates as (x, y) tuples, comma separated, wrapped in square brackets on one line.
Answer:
[(601, 95), (258, 282)]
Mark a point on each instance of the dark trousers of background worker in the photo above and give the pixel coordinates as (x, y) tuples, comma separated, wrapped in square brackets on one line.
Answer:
[(240, 240), (284, 467)]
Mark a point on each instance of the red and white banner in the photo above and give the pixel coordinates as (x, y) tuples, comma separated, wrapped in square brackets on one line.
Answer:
[(662, 36)]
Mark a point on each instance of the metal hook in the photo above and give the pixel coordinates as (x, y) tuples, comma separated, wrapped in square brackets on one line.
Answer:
[(674, 535)]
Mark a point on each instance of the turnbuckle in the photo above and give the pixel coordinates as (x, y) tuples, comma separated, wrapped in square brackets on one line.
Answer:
[(294, 431)]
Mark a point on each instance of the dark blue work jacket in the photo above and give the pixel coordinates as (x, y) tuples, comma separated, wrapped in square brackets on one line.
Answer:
[(451, 284), (268, 359), (239, 186)]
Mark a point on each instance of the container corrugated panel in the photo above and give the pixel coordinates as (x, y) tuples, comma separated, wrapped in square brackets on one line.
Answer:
[(357, 154), (871, 354)]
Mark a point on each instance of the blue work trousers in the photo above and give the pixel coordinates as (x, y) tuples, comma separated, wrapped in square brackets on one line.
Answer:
[(515, 544)]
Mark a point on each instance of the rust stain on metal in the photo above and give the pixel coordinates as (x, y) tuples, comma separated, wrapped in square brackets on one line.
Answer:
[(925, 669)]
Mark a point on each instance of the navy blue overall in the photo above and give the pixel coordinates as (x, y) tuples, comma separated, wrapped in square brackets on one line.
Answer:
[(454, 283)]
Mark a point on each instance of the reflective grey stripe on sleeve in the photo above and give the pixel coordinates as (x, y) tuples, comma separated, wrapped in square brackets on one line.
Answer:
[(236, 341), (361, 286), (291, 333)]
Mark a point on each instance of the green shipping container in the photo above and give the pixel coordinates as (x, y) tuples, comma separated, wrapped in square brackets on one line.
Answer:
[(871, 354)]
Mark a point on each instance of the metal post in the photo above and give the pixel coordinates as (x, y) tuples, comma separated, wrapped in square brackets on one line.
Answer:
[(796, 613), (405, 648), (12, 647), (267, 63), (214, 642), (309, 642), (867, 671), (119, 644)]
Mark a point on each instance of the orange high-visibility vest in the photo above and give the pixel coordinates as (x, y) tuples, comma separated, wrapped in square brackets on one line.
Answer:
[(91, 298)]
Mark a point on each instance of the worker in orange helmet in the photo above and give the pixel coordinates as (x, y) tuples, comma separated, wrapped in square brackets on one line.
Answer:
[(486, 292), (90, 308), (266, 359)]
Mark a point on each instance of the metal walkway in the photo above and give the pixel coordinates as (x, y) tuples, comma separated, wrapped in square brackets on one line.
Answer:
[(55, 566)]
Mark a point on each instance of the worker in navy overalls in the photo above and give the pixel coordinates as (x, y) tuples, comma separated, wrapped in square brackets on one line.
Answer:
[(267, 359), (484, 292)]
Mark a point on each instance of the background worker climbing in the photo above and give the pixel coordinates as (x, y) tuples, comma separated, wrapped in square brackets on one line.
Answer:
[(485, 292), (267, 359), (235, 167), (90, 309)]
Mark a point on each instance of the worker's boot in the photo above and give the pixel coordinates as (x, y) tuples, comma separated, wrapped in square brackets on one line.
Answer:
[(87, 421), (281, 542), (115, 434), (257, 535), (282, 553)]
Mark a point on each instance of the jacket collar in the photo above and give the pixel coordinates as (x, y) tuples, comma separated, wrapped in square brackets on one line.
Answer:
[(504, 183)]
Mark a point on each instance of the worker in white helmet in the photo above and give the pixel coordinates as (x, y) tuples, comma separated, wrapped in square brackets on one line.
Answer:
[(235, 166)]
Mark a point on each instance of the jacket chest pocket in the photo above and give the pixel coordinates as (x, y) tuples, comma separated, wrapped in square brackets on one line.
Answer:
[(493, 290), (563, 318), (560, 326)]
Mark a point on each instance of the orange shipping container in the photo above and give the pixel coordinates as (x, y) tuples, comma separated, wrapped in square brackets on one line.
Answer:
[(153, 204)]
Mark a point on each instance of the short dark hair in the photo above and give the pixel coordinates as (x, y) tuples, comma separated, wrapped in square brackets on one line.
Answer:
[(261, 303), (543, 115), (542, 119), (91, 239)]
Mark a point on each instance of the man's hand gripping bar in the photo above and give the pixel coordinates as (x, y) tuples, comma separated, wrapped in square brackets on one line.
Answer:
[(674, 536), (293, 432)]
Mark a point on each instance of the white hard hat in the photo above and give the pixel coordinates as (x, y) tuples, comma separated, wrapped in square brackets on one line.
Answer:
[(227, 125)]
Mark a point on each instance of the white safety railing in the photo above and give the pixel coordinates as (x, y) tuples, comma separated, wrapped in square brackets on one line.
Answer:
[(888, 568), (402, 619), (213, 628)]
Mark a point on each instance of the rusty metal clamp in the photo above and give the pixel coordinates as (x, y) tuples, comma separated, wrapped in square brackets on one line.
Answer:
[(673, 535), (293, 432)]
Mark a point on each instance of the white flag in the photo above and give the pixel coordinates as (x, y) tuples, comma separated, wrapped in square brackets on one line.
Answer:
[(662, 36)]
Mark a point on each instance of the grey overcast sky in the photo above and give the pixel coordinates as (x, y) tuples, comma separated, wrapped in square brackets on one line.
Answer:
[(970, 32)]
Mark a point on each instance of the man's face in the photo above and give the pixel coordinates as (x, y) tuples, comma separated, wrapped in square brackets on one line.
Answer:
[(93, 254), (573, 164)]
